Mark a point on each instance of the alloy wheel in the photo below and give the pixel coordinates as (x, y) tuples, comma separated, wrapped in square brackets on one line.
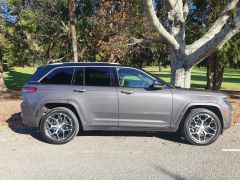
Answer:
[(58, 126), (202, 128)]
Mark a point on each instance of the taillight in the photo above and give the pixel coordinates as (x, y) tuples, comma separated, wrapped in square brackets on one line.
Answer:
[(29, 89)]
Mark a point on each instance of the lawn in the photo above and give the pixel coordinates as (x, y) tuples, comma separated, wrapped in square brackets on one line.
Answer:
[(17, 76), (231, 79)]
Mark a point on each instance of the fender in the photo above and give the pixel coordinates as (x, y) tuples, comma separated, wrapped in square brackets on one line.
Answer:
[(72, 102), (176, 121)]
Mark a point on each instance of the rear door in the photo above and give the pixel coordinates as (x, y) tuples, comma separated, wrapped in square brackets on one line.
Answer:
[(96, 96)]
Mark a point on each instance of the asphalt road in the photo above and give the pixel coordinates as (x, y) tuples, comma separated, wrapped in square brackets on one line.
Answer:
[(110, 155)]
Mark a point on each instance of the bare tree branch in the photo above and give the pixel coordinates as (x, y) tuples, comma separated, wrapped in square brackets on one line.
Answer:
[(216, 42), (172, 3), (168, 38), (186, 8), (215, 29), (147, 40)]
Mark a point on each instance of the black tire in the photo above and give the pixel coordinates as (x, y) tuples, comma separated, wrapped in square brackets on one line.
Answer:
[(186, 125), (72, 118)]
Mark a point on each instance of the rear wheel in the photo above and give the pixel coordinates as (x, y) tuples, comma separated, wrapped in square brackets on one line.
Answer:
[(201, 127), (59, 126)]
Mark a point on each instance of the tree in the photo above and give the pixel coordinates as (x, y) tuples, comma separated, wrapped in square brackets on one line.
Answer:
[(182, 56), (228, 55), (2, 83), (73, 19), (5, 16), (41, 34), (112, 26)]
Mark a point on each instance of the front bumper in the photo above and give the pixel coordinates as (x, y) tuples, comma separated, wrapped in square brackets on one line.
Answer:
[(226, 109)]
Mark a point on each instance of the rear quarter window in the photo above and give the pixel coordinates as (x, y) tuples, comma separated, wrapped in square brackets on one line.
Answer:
[(61, 76)]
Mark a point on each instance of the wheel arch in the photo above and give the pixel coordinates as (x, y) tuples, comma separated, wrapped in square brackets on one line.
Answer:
[(215, 108), (45, 107)]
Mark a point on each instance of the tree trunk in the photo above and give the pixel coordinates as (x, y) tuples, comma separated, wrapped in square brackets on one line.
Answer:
[(180, 76), (3, 87), (215, 72), (72, 17)]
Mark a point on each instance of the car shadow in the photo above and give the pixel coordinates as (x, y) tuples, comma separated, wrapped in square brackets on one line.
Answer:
[(16, 125), (173, 137)]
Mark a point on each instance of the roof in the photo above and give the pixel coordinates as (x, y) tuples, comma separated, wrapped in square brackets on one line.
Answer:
[(84, 64)]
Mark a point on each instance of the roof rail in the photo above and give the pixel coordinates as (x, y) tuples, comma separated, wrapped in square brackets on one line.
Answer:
[(85, 63)]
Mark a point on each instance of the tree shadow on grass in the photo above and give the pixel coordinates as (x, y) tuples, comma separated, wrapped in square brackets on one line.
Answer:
[(16, 80), (16, 125)]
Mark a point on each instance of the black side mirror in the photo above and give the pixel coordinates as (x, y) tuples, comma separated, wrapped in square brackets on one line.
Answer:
[(156, 85)]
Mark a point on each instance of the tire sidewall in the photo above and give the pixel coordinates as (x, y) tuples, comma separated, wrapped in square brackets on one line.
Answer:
[(74, 123), (192, 114)]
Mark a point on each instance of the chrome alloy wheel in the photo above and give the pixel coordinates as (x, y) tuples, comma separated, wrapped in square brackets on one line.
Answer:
[(58, 126), (202, 128)]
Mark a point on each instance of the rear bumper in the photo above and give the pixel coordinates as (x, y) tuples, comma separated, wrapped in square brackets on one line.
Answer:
[(28, 116)]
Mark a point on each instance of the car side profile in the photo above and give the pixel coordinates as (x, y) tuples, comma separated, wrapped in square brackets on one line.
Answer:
[(63, 99)]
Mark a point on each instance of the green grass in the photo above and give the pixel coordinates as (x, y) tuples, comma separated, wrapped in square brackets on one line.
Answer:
[(17, 76), (231, 79)]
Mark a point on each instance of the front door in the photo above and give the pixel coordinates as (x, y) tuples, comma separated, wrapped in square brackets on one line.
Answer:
[(139, 106)]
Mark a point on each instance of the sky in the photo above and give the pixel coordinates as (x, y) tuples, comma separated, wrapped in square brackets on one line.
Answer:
[(6, 13)]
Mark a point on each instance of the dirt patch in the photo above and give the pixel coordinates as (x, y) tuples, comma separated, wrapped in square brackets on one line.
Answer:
[(10, 95), (10, 108), (235, 102)]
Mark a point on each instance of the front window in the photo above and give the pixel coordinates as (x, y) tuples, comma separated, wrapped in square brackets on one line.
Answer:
[(134, 78)]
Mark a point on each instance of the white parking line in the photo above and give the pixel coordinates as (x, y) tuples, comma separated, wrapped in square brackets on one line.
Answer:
[(231, 150)]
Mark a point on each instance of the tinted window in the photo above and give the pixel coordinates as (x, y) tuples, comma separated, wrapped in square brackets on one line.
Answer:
[(78, 76), (59, 76), (134, 78), (41, 71), (97, 76)]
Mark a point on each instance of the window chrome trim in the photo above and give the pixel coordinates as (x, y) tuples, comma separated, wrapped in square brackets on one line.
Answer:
[(116, 67)]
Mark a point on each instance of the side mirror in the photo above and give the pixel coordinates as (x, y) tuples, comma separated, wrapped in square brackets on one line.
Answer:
[(156, 85)]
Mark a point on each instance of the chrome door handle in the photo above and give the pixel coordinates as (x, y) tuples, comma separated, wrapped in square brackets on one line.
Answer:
[(127, 91), (79, 90)]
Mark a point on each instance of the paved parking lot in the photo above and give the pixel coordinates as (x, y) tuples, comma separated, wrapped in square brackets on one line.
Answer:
[(112, 155)]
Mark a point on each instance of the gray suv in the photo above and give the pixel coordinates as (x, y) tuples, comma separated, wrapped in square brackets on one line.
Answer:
[(63, 99)]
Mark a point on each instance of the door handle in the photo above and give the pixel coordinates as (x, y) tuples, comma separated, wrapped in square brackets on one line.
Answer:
[(127, 91), (79, 90)]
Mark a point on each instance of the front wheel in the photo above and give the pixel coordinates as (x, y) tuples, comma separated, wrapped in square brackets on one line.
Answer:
[(201, 127), (59, 126)]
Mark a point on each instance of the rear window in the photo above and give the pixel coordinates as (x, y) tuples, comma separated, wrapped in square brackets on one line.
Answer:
[(61, 76), (39, 73), (97, 76)]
